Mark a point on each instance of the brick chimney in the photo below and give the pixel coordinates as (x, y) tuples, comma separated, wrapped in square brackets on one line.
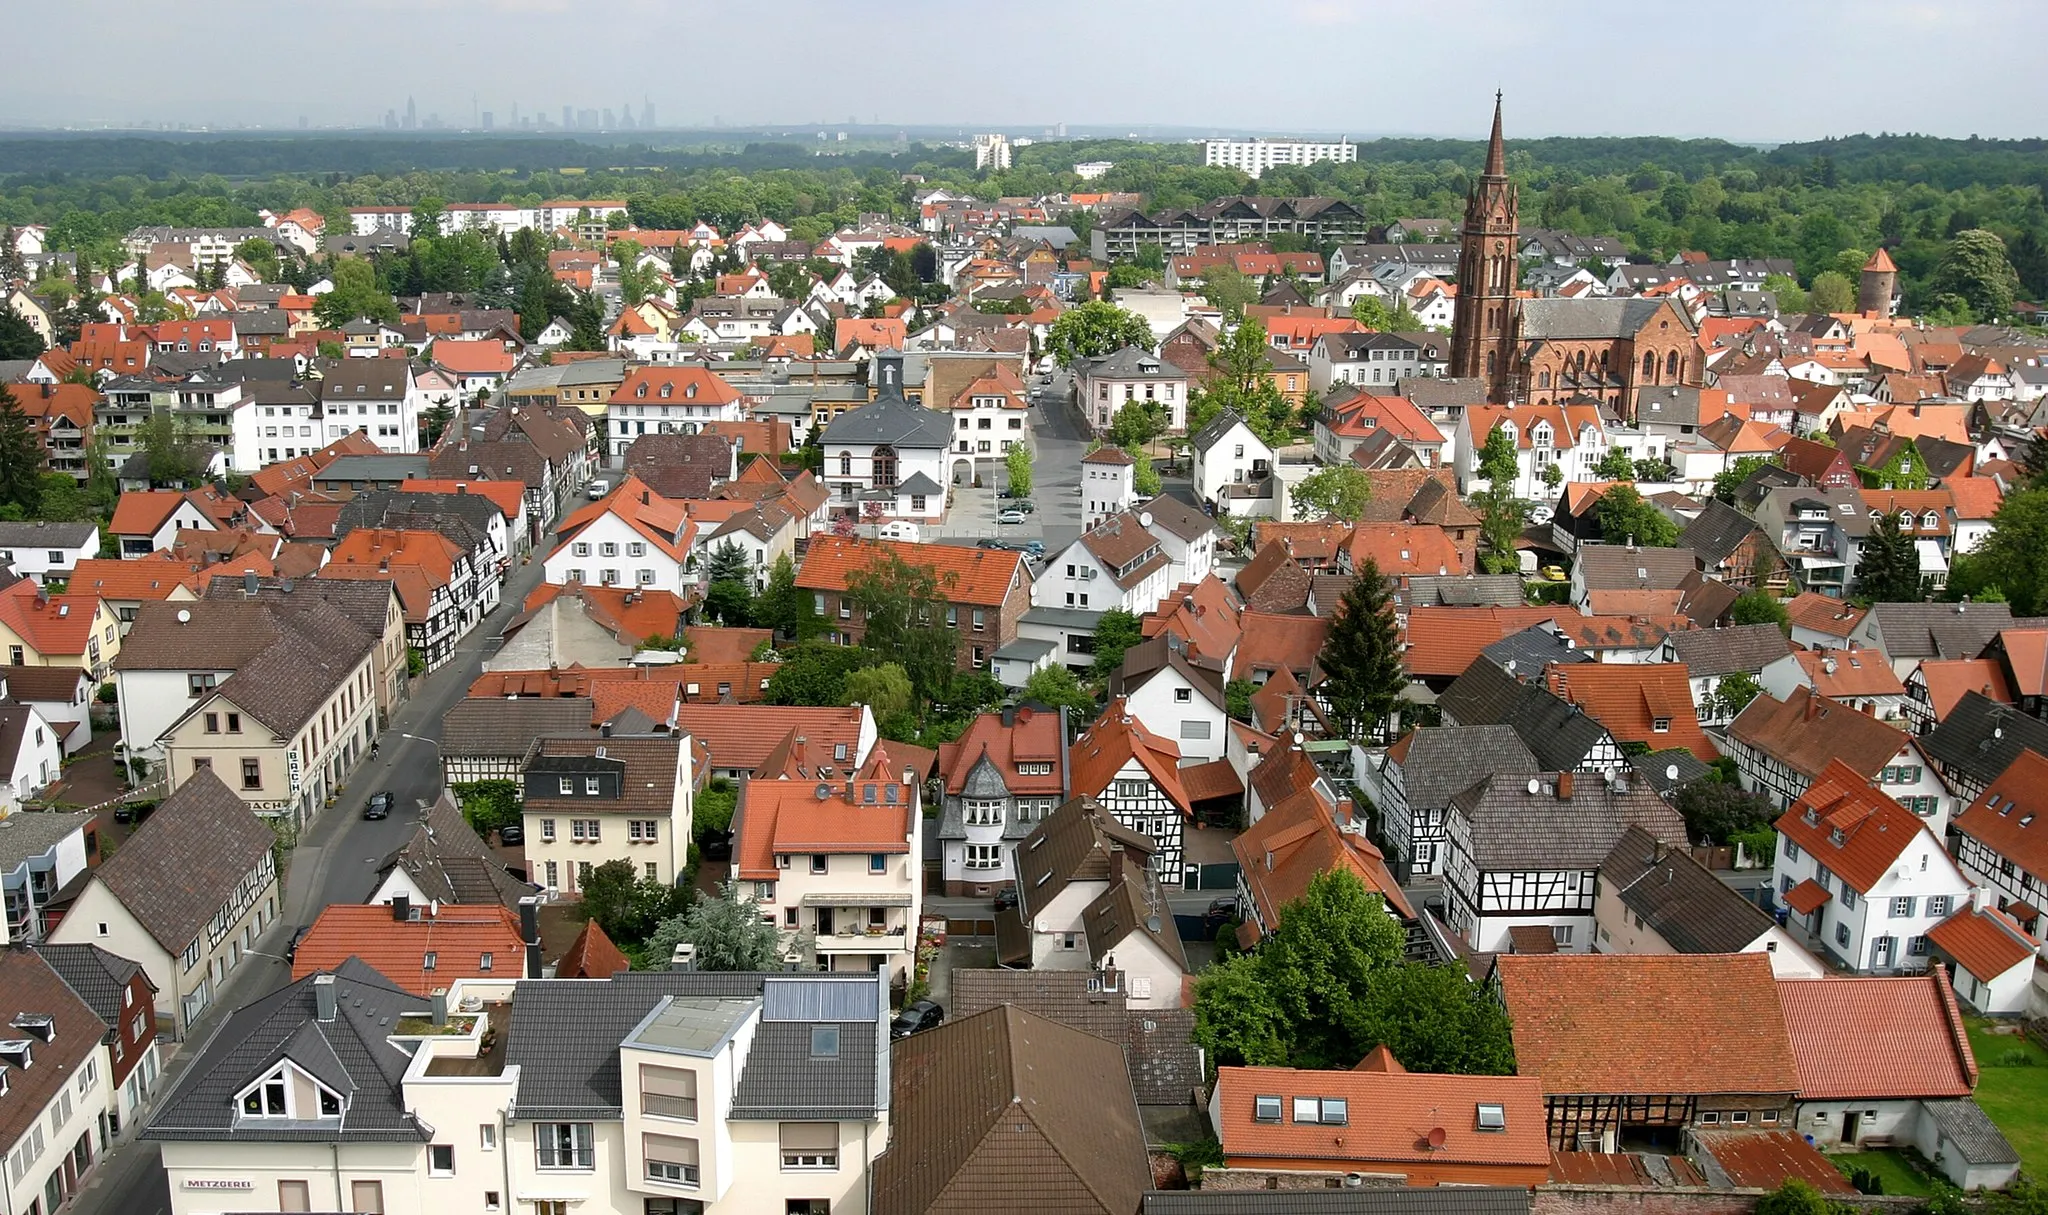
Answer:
[(1564, 786)]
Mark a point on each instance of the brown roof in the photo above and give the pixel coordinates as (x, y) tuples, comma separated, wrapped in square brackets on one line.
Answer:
[(1028, 736), (1983, 941), (1298, 838), (1630, 698), (1396, 1109), (1272, 581), (183, 864), (1113, 741), (591, 956), (1005, 1111), (1877, 1037), (29, 986), (649, 766), (1810, 610), (1637, 1023), (1270, 642), (2005, 815), (1765, 1160), (1806, 731), (1080, 841)]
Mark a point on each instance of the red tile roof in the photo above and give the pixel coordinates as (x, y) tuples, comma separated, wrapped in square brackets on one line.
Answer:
[(1445, 641), (1271, 643), (1390, 1118), (785, 817), (460, 938), (1853, 829), (2006, 817), (1636, 1023), (1298, 838), (1840, 674), (482, 357), (416, 562), (1211, 780), (591, 956), (979, 576), (1630, 698), (884, 333), (1113, 741), (633, 614), (742, 736), (1404, 549), (1807, 897), (50, 624), (715, 643), (1032, 737), (155, 577), (1983, 941), (690, 383), (1204, 614), (1877, 1037), (1810, 610), (1948, 679)]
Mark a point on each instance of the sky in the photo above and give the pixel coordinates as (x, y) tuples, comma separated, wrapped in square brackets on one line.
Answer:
[(1790, 70)]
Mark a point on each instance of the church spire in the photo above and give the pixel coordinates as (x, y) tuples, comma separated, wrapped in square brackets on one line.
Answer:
[(1496, 155)]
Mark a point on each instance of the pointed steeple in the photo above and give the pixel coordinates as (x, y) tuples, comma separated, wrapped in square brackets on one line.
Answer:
[(1496, 154)]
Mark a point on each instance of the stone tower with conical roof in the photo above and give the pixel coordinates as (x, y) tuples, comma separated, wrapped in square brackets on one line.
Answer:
[(1482, 328), (1877, 286)]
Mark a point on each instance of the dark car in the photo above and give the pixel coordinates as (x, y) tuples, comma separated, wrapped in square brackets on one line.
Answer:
[(379, 805), (1006, 546), (511, 833), (1024, 504), (291, 951), (1221, 909), (1035, 547), (920, 1014), (1006, 898), (717, 845), (133, 812)]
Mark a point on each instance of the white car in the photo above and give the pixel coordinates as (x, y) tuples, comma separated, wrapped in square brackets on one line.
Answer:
[(901, 529), (597, 489)]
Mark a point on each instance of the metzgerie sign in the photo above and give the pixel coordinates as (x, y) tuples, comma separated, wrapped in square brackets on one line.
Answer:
[(217, 1183)]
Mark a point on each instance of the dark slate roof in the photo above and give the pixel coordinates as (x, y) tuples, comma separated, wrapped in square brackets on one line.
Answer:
[(1671, 893), (1441, 762), (1657, 768), (565, 1039), (1741, 647), (40, 534), (1212, 434), (1524, 654), (184, 863), (1176, 517), (891, 420), (450, 862), (1369, 1200), (100, 978), (1468, 590), (1937, 630), (465, 519), (1588, 318), (1716, 531), (366, 601), (349, 1053), (1965, 1124), (1556, 733), (1513, 828), (511, 726), (1980, 737), (1619, 567)]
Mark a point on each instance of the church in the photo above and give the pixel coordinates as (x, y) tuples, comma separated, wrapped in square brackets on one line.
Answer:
[(1555, 351)]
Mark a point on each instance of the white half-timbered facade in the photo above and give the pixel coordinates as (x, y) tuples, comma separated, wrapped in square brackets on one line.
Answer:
[(1134, 774)]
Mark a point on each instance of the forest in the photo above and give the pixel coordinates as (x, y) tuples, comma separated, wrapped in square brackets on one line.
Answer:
[(1809, 202)]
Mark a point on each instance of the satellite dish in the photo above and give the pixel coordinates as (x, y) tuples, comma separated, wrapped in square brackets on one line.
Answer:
[(184, 616), (1671, 772), (1436, 1137), (1534, 786), (1297, 738)]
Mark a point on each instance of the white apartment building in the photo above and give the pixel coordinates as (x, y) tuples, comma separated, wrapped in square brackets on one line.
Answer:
[(992, 152), (1254, 156), (592, 800)]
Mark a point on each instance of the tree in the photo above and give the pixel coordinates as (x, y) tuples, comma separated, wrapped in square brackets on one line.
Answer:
[(1889, 569), (1790, 296), (1615, 465), (259, 255), (1057, 687), (1137, 423), (727, 563), (1237, 1019), (1553, 475), (1361, 660), (784, 607), (1144, 478), (1243, 385), (1237, 698), (626, 904), (2014, 557), (904, 607), (356, 296), (1500, 513), (1373, 313), (1730, 696), (1974, 268), (1094, 329), (1625, 516), (1794, 1197), (1498, 461), (21, 456), (1328, 944), (18, 338), (1339, 491), (815, 672), (1730, 479), (730, 603), (1228, 289), (1760, 607), (1716, 812), (62, 499), (1017, 463), (1435, 1020), (488, 805), (1116, 630), (728, 932), (1831, 291), (884, 689)]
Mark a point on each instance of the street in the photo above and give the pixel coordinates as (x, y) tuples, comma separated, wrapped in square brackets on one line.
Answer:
[(335, 862)]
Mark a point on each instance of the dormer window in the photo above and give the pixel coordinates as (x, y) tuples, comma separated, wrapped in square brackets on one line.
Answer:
[(282, 1094)]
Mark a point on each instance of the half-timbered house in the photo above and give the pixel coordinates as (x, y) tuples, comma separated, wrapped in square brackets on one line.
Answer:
[(491, 738), (1423, 771), (1524, 850), (1978, 740), (1562, 738), (1686, 1040), (1997, 843), (1781, 747), (1136, 775)]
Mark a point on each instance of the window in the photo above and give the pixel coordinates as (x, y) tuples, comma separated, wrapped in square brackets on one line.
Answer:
[(668, 1092), (820, 862), (429, 960), (564, 1145), (1841, 934), (294, 1196), (878, 862), (366, 1196), (1916, 946), (809, 1145), (566, 786), (984, 856), (1937, 906), (1492, 1117), (1848, 898), (547, 832), (266, 1100), (1182, 696), (979, 812), (1902, 907), (591, 786), (197, 685), (212, 721), (646, 830), (252, 773), (1327, 1111), (1791, 849), (487, 1137), (670, 1158), (441, 1160), (1265, 1109), (234, 723), (824, 1041)]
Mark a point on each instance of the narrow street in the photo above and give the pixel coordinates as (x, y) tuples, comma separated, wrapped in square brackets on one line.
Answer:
[(335, 862)]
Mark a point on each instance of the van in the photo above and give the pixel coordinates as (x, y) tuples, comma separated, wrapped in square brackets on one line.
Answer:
[(597, 489), (901, 529)]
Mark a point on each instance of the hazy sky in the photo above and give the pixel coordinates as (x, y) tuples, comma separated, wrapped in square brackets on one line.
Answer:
[(1792, 69)]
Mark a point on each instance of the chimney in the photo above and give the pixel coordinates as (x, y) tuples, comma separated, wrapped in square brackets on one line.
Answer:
[(439, 997), (323, 997), (684, 957), (1564, 786), (529, 933), (401, 907), (1812, 707), (249, 583)]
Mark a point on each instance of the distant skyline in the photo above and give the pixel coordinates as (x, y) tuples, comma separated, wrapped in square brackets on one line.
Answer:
[(1798, 70)]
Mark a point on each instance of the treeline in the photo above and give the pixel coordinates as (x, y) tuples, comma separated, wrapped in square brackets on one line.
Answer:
[(1819, 204)]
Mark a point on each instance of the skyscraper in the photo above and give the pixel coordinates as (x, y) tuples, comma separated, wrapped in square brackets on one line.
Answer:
[(489, 120), (646, 114), (568, 118), (412, 114)]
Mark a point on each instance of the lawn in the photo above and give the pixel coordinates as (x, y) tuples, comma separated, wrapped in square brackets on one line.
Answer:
[(1892, 1168), (2014, 1094)]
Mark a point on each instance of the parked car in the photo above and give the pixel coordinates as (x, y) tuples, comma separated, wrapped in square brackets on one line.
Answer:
[(1006, 898), (1007, 492), (511, 833), (1011, 515), (291, 951), (1024, 504), (917, 1015), (1007, 546), (379, 805), (597, 489), (1036, 548), (133, 812), (1221, 909)]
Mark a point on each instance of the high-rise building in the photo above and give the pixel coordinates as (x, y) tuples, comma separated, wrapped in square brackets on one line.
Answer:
[(992, 152), (1254, 156), (412, 115), (1483, 323), (489, 120), (586, 120), (568, 118), (646, 114), (610, 122)]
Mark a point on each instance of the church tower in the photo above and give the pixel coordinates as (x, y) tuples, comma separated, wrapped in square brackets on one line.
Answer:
[(1482, 328)]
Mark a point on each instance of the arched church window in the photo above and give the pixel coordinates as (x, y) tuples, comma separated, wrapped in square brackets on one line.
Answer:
[(1671, 366)]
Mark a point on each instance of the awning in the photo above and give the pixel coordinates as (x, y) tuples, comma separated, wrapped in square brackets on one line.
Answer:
[(1931, 560), (1807, 897), (856, 900)]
